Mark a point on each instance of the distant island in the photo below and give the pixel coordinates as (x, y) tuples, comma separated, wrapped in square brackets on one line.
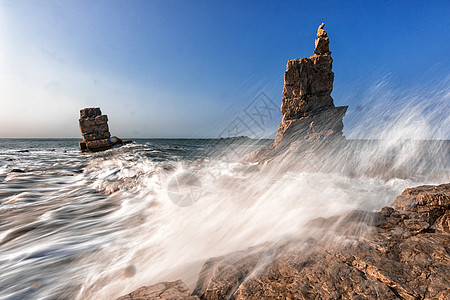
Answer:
[(236, 138)]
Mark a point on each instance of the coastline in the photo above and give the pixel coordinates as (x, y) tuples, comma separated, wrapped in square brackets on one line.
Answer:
[(359, 254)]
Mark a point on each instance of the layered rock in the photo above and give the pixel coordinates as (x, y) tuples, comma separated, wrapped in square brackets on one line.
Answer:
[(308, 107), (95, 131), (176, 290), (309, 114), (396, 253), (429, 204), (391, 254)]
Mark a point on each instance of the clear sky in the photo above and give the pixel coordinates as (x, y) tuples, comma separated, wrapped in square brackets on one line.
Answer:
[(188, 68)]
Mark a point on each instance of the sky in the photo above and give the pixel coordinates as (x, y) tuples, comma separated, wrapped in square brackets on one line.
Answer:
[(193, 68)]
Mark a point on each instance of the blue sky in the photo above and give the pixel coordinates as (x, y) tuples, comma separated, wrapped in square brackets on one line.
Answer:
[(188, 68)]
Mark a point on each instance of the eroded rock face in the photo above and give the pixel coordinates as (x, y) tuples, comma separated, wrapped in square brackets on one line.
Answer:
[(307, 103), (308, 83), (176, 290), (322, 41), (430, 203), (401, 253), (95, 131), (309, 114), (390, 254)]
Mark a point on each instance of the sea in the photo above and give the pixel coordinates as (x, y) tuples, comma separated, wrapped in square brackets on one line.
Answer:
[(99, 225)]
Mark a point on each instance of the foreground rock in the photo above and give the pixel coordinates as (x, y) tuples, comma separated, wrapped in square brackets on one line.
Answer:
[(309, 114), (163, 291), (429, 205), (95, 131), (396, 253), (391, 254)]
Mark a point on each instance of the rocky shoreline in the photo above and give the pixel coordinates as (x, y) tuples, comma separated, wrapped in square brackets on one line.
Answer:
[(399, 252)]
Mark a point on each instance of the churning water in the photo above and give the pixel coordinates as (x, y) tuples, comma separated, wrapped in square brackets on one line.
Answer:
[(95, 226)]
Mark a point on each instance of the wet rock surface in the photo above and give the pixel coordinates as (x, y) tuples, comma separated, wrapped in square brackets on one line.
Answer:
[(162, 291), (396, 253), (390, 254), (431, 204)]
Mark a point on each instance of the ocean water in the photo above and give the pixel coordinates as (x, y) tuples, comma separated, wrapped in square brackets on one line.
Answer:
[(96, 226)]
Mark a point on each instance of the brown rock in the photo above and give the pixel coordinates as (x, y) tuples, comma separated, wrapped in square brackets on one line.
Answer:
[(87, 125), (322, 41), (82, 146), (90, 125), (101, 128), (309, 114), (103, 119), (308, 83), (96, 136), (430, 202), (233, 269), (95, 131), (98, 145), (362, 255), (90, 112), (324, 123), (443, 222), (176, 290)]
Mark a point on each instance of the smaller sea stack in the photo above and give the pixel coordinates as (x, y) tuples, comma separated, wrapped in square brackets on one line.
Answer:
[(95, 131)]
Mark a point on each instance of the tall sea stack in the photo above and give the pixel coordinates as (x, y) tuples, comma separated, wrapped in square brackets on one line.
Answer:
[(309, 114)]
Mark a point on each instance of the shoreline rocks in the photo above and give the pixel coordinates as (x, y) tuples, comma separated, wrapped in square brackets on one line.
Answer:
[(399, 252), (176, 290), (390, 254)]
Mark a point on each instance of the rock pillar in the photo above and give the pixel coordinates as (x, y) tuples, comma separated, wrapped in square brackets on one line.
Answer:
[(308, 108), (95, 131), (310, 118)]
